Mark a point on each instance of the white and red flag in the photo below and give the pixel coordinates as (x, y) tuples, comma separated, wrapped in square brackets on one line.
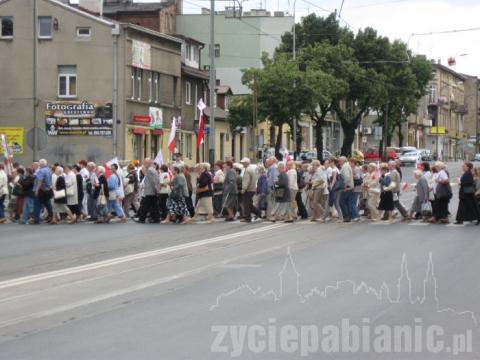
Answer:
[(171, 139), (201, 123)]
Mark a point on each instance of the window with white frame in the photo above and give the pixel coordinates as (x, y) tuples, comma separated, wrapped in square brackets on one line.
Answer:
[(188, 51), (156, 84), (195, 53), (188, 93), (132, 77), (188, 152), (139, 81), (84, 32), (67, 81), (45, 27), (6, 27), (150, 87)]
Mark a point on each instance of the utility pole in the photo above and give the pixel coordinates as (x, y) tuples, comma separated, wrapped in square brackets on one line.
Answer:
[(255, 143), (477, 144), (35, 90), (211, 137), (385, 135), (294, 52)]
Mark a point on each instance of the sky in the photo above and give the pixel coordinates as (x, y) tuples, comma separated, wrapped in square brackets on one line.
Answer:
[(396, 19)]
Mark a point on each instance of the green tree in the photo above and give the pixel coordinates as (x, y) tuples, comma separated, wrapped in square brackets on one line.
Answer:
[(240, 111), (281, 92)]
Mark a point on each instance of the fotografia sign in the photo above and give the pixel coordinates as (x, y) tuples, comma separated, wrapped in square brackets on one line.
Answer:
[(66, 118)]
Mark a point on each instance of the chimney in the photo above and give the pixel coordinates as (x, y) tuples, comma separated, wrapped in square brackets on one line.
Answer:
[(92, 6)]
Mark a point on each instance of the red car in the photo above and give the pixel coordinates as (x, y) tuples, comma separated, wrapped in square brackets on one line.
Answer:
[(372, 155)]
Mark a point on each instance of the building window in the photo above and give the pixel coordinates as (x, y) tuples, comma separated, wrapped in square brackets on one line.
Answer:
[(45, 27), (6, 30), (188, 152), (226, 103), (195, 54), (67, 81), (156, 84), (84, 32), (197, 111), (139, 81), (132, 77), (150, 87), (222, 146), (188, 93), (217, 50), (188, 51)]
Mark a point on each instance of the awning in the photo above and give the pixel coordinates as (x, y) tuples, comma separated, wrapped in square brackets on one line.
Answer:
[(156, 132), (139, 130)]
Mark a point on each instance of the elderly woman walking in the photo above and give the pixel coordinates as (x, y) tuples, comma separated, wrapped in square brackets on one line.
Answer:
[(60, 197), (371, 185), (293, 187), (230, 191), (386, 193), (176, 202), (282, 196), (204, 193), (72, 192), (421, 201), (442, 191), (467, 207)]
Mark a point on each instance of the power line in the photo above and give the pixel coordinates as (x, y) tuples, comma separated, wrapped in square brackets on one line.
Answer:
[(375, 4), (445, 32)]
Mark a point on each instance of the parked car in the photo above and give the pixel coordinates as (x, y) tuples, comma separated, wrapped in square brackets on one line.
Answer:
[(476, 157), (410, 158), (312, 155), (406, 149), (426, 155), (372, 154)]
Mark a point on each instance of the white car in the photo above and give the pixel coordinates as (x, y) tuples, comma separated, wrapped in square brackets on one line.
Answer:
[(410, 158)]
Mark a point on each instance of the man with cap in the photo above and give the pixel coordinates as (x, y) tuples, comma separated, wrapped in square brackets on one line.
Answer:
[(249, 188)]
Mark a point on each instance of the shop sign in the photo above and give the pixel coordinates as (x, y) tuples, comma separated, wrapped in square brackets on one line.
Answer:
[(438, 130), (78, 118), (14, 139), (156, 117), (145, 119)]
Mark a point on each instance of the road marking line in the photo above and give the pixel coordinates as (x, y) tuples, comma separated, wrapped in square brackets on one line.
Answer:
[(135, 288), (143, 255)]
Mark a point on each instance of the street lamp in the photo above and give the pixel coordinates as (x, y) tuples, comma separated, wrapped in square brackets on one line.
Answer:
[(294, 52)]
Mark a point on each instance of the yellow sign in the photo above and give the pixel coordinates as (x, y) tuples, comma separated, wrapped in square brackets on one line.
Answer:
[(440, 130), (15, 138)]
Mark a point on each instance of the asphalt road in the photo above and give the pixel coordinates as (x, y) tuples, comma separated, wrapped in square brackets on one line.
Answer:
[(232, 290)]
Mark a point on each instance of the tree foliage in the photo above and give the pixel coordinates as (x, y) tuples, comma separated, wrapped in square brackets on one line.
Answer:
[(280, 89)]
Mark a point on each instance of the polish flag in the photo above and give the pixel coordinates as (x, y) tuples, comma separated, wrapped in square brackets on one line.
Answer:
[(171, 140), (201, 123)]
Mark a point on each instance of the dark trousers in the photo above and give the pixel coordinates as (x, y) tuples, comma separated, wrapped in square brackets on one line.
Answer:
[(248, 207), (149, 205), (92, 207), (37, 208), (302, 210), (190, 207), (346, 205), (162, 202)]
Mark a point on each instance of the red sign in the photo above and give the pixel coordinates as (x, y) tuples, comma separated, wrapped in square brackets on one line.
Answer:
[(156, 132), (142, 119), (139, 131)]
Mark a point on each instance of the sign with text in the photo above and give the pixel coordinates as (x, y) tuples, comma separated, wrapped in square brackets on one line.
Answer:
[(438, 130), (78, 118), (14, 139), (141, 55)]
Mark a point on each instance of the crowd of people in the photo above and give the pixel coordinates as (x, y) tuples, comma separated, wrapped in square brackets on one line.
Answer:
[(339, 189)]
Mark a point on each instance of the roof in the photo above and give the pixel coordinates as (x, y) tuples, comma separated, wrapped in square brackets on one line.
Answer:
[(154, 33), (193, 72), (223, 89), (78, 11), (137, 7), (447, 69), (219, 113), (189, 39)]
